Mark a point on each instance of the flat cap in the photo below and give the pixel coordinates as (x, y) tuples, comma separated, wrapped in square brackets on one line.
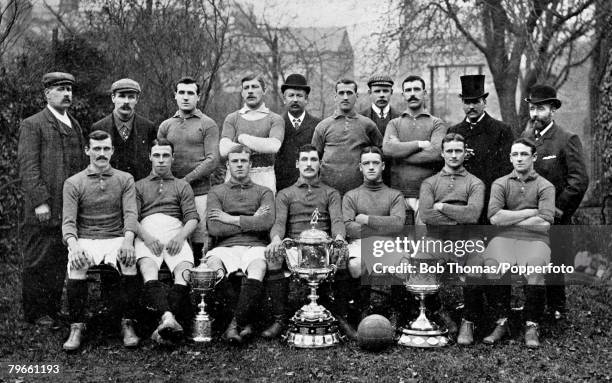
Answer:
[(57, 78), (125, 85), (380, 79)]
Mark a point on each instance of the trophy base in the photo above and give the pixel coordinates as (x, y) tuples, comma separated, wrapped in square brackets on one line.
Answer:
[(423, 338), (309, 331), (201, 330)]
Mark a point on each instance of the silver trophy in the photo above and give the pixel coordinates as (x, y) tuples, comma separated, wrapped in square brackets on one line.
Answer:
[(202, 279), (422, 332), (308, 259)]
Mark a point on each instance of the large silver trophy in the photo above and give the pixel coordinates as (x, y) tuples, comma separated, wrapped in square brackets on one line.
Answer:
[(203, 279), (423, 332), (308, 259)]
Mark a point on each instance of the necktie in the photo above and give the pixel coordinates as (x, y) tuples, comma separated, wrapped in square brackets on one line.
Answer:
[(382, 115), (123, 131), (296, 123)]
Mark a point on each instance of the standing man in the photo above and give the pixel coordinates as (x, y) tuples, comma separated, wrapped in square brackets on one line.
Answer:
[(487, 140), (256, 127), (340, 139), (240, 213), (168, 216), (299, 128), (294, 208), (413, 141), (99, 225), (50, 150), (380, 90), (195, 137), (561, 162), (131, 133)]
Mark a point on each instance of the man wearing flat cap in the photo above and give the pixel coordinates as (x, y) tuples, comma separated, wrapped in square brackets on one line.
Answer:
[(299, 128), (50, 150), (131, 133), (487, 140), (380, 89), (560, 161)]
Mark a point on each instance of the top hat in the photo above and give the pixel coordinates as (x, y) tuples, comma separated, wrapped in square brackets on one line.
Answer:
[(540, 94), (472, 87), (380, 79), (57, 78), (295, 81), (125, 85)]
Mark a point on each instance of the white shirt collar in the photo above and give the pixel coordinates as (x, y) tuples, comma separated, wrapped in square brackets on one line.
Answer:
[(467, 119), (300, 119), (377, 109), (262, 109), (543, 131), (62, 117)]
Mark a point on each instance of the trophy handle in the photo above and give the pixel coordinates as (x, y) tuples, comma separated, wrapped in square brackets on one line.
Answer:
[(289, 243), (188, 280), (220, 274)]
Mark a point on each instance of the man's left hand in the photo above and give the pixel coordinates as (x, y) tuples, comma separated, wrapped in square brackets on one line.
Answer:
[(221, 216), (126, 254), (362, 219), (175, 245), (438, 206)]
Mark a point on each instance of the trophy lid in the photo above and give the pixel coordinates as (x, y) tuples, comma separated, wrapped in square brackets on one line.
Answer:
[(312, 235)]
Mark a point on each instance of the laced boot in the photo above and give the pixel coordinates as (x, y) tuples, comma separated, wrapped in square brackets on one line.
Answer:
[(130, 339), (231, 333), (169, 329), (466, 333), (532, 335), (501, 330), (76, 336)]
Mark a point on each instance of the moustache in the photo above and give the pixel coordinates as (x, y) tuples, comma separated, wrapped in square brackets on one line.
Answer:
[(412, 98), (67, 99), (126, 107), (101, 158), (471, 111)]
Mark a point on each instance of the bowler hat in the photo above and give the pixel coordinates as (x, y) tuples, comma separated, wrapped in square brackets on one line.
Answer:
[(295, 81), (472, 87), (125, 85), (540, 94), (57, 78), (380, 79)]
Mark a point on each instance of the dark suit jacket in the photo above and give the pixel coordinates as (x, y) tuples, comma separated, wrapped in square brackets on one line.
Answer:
[(131, 156), (382, 127), (491, 140), (48, 154), (284, 165), (560, 161)]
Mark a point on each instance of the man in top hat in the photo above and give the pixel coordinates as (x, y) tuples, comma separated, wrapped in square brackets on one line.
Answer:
[(380, 90), (340, 138), (560, 161), (256, 127), (487, 140), (299, 128), (132, 134), (50, 150)]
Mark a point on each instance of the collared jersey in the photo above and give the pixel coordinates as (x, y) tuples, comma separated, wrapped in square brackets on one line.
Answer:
[(167, 195)]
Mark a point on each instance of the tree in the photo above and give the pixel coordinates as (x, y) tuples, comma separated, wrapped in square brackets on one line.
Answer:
[(12, 13), (523, 42)]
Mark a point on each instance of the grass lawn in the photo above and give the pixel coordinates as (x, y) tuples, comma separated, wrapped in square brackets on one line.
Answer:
[(579, 351)]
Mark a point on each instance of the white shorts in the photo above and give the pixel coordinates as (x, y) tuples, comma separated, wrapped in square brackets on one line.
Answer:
[(104, 251), (516, 252), (237, 257), (164, 228), (263, 176), (200, 234)]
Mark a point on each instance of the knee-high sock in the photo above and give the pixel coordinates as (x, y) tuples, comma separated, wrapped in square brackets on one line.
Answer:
[(534, 302), (178, 300), (155, 296), (77, 299), (130, 287), (473, 299), (250, 294), (277, 288)]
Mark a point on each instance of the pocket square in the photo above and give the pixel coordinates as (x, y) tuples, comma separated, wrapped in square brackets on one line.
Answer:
[(549, 157)]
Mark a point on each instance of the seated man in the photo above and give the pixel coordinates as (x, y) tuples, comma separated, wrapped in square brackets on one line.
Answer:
[(168, 216), (294, 208), (372, 209), (99, 224), (522, 203), (450, 200), (240, 213)]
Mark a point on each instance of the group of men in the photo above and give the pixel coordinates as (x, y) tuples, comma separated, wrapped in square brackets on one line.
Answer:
[(133, 196)]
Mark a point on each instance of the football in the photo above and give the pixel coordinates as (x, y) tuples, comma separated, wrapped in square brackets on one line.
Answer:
[(375, 333)]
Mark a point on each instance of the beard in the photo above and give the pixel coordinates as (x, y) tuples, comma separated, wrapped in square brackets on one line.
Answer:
[(540, 123)]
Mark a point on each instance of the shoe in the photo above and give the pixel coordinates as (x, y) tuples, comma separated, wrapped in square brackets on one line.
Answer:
[(169, 329), (347, 329), (159, 340), (274, 330), (532, 335), (246, 332), (76, 336), (130, 339), (231, 333), (47, 322), (448, 322), (501, 330), (466, 333)]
